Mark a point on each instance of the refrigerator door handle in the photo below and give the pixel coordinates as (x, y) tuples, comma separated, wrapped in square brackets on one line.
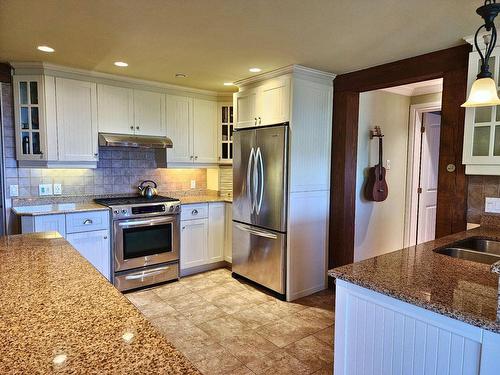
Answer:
[(256, 232), (258, 157), (249, 174)]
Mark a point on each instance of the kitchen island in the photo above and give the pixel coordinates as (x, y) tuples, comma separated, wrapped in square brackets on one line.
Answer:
[(58, 314), (417, 311)]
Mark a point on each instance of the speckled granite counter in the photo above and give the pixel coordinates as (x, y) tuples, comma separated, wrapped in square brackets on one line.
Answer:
[(60, 208), (205, 199), (58, 314), (457, 288)]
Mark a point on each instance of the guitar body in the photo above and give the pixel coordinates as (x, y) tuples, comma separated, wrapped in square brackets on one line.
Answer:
[(376, 188)]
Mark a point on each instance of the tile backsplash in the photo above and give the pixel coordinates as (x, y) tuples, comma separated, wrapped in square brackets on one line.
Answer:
[(480, 187)]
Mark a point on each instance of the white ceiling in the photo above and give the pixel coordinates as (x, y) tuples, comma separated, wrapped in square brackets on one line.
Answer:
[(418, 88), (215, 41)]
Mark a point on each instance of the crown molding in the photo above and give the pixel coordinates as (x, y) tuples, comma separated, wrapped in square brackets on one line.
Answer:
[(22, 67), (298, 70)]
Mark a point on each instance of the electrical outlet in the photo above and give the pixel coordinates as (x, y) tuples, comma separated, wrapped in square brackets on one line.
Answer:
[(14, 190), (193, 184), (57, 189), (45, 189), (492, 205)]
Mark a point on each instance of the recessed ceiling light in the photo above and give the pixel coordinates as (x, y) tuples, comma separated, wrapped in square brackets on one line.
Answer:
[(255, 70), (180, 75), (45, 49), (228, 84), (121, 64)]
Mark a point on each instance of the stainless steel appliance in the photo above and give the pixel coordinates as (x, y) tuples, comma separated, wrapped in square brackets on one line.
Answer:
[(260, 163), (146, 240)]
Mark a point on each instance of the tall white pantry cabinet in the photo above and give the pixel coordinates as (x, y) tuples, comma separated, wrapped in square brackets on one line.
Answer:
[(304, 98)]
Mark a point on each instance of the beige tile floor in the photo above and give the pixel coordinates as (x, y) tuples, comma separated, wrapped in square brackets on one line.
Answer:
[(226, 326)]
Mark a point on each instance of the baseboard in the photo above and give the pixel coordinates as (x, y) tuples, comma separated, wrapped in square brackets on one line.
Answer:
[(305, 292), (204, 268)]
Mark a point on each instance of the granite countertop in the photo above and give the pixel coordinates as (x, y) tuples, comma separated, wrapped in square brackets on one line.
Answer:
[(58, 314), (58, 208), (457, 288), (205, 199)]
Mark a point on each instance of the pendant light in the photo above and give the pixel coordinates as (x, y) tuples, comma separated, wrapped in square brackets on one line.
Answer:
[(484, 90)]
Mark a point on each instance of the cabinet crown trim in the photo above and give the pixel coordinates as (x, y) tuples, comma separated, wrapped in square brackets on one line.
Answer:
[(37, 68), (297, 70)]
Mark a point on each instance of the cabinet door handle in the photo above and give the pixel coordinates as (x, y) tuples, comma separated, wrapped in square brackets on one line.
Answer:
[(131, 128), (194, 212), (255, 122), (96, 154), (191, 157), (105, 237), (87, 222), (260, 121), (196, 158), (137, 127), (183, 228)]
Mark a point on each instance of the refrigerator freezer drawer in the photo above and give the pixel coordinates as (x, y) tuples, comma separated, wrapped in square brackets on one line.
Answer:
[(259, 255)]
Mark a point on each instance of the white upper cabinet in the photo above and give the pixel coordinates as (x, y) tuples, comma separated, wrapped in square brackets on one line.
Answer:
[(245, 104), (127, 111), (115, 109), (180, 124), (266, 104), (481, 154), (192, 126), (205, 131), (274, 101), (76, 103), (149, 113)]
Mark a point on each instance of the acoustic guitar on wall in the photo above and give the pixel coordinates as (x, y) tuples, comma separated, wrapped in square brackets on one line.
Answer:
[(376, 189)]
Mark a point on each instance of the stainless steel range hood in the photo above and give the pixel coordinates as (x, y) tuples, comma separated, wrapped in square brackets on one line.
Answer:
[(138, 141)]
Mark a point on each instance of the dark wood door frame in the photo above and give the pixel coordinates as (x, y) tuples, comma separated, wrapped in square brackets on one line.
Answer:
[(451, 65)]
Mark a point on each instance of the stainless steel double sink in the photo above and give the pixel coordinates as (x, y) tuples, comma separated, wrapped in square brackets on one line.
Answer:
[(474, 249)]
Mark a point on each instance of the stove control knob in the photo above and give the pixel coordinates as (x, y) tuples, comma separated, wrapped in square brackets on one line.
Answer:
[(171, 208), (116, 212), (178, 207), (124, 211)]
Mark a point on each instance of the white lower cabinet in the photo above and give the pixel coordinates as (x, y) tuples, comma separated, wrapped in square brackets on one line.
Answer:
[(228, 245), (93, 246), (216, 232), (203, 232), (88, 232), (194, 235), (378, 334)]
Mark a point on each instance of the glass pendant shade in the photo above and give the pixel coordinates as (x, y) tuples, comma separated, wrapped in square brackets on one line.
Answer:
[(482, 94)]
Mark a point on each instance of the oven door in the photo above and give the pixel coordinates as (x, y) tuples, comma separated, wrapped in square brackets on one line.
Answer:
[(145, 241)]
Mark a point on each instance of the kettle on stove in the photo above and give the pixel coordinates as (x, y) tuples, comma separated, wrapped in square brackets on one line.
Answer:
[(148, 191)]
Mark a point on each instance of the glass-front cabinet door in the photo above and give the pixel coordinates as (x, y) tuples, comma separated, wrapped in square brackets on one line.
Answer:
[(29, 117), (226, 127), (481, 153)]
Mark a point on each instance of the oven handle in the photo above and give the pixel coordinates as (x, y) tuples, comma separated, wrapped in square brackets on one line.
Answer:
[(143, 274), (151, 221)]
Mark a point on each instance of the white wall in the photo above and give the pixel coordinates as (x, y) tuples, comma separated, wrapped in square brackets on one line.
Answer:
[(379, 227)]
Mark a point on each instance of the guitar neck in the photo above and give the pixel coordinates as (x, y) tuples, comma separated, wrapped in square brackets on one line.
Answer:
[(380, 151)]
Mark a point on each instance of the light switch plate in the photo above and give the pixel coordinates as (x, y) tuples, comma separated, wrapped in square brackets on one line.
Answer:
[(492, 205), (45, 189), (14, 190), (57, 189), (193, 184)]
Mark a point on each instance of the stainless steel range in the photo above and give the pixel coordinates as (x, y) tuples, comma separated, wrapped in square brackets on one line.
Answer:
[(146, 240)]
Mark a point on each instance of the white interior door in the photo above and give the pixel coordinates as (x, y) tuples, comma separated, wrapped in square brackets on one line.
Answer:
[(429, 164)]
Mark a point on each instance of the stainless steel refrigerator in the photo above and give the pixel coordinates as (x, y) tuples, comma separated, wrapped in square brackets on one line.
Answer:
[(260, 163)]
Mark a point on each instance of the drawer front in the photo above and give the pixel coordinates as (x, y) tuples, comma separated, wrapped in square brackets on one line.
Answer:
[(194, 211), (87, 221), (146, 276)]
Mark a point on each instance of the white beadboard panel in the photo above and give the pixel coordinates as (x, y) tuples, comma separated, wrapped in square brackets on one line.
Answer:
[(310, 132), (376, 334), (307, 243)]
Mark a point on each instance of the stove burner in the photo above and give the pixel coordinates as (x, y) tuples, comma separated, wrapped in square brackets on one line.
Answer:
[(122, 201)]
